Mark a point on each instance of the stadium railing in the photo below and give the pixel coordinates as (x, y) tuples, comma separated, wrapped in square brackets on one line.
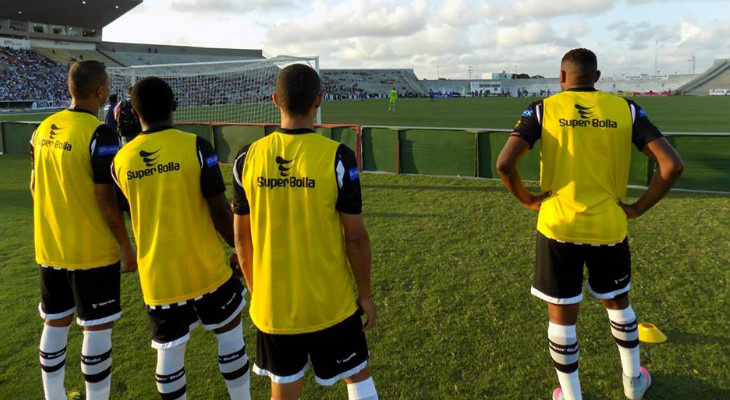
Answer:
[(458, 152)]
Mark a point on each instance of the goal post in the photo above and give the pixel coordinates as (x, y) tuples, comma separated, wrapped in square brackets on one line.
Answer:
[(213, 92)]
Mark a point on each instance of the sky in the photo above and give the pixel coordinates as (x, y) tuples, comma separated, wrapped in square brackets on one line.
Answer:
[(447, 38)]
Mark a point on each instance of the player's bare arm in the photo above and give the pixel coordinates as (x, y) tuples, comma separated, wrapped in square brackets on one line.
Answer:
[(357, 244), (244, 247), (106, 196), (669, 169), (511, 154), (220, 212)]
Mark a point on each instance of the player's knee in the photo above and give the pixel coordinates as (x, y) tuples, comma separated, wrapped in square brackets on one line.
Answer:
[(358, 377), (61, 322), (100, 327)]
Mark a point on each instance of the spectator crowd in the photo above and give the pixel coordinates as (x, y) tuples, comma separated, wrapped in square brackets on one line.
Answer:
[(26, 75)]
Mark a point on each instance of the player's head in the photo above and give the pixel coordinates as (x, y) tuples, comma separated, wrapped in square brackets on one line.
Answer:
[(153, 101), (579, 68), (89, 82), (298, 91), (113, 98)]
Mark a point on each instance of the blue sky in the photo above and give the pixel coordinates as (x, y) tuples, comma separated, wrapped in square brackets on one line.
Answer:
[(446, 37)]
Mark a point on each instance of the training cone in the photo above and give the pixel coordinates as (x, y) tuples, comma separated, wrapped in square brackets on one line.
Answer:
[(649, 333)]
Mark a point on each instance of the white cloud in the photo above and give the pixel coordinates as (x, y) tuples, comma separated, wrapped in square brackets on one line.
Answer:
[(228, 6), (529, 33), (544, 9), (360, 18)]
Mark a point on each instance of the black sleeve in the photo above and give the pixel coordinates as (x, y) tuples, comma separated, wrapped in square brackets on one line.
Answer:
[(529, 126), (240, 202), (349, 198), (121, 198), (642, 130), (211, 179), (104, 146)]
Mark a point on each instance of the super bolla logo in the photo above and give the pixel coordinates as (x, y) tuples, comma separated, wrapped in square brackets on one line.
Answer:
[(53, 142), (154, 166), (285, 167), (586, 119)]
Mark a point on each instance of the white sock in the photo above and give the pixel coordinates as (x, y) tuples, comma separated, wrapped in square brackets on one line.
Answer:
[(626, 333), (52, 353), (96, 363), (563, 342), (363, 390), (170, 373), (233, 363)]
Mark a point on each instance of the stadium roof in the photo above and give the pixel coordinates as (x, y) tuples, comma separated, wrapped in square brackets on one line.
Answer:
[(94, 14)]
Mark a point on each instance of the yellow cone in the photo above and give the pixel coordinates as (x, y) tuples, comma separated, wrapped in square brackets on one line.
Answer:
[(649, 333)]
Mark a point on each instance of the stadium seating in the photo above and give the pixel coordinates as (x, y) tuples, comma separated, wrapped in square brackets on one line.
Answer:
[(66, 56), (351, 83), (129, 54), (26, 75)]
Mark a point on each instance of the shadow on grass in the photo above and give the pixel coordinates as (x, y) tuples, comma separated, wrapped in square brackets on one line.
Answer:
[(694, 338), (438, 188), (684, 387), (401, 215)]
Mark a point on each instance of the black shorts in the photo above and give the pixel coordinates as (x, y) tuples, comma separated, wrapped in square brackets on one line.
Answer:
[(337, 352), (171, 324), (92, 293), (559, 270)]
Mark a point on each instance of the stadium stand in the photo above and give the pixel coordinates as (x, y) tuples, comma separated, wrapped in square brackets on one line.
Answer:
[(716, 77), (26, 75), (129, 54), (370, 83), (66, 56), (541, 86)]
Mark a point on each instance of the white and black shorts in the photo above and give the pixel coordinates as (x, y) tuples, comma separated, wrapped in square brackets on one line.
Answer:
[(171, 324), (559, 270), (93, 294), (337, 352)]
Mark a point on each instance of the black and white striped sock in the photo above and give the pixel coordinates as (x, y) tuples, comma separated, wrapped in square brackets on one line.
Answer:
[(52, 354), (170, 373), (563, 342), (233, 363), (96, 363), (625, 331)]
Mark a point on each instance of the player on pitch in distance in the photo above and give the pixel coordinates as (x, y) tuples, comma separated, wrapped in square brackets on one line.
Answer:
[(585, 158), (296, 193), (177, 203), (79, 231)]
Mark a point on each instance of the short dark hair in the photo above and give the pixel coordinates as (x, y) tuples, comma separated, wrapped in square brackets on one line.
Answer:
[(584, 59), (84, 77), (297, 88), (113, 98), (152, 99)]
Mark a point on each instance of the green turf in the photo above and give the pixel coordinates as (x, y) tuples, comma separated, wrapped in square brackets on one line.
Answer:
[(691, 114), (452, 268)]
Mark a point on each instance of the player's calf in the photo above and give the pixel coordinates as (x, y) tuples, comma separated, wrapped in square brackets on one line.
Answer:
[(233, 362), (563, 343), (170, 373), (96, 363), (52, 353)]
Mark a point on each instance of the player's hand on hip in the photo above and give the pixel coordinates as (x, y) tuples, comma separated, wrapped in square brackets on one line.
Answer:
[(536, 200), (631, 210), (367, 306), (129, 260)]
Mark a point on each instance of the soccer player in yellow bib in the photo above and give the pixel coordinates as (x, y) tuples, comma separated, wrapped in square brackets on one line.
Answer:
[(79, 233), (585, 158), (300, 233), (393, 98), (177, 202)]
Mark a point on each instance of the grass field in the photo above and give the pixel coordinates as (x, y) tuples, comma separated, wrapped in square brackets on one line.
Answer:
[(452, 267), (680, 114)]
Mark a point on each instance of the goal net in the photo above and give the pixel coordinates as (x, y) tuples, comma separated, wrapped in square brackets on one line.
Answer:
[(228, 91)]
